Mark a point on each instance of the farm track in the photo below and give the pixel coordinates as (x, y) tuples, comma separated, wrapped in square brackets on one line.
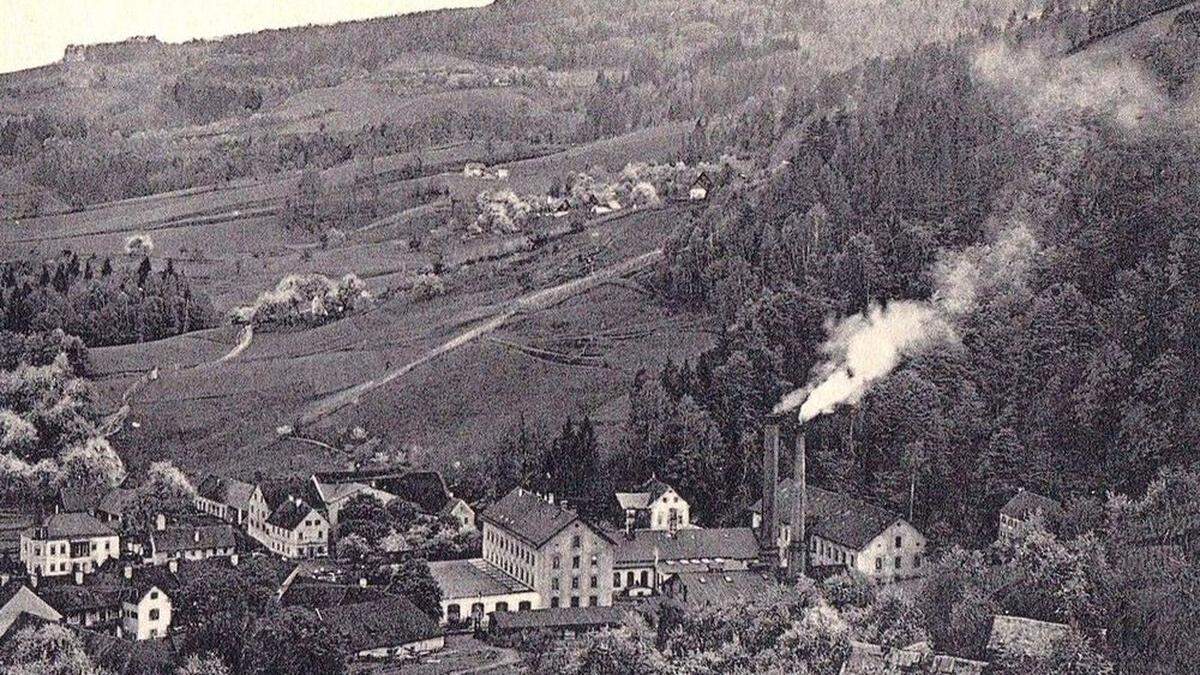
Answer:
[(530, 303)]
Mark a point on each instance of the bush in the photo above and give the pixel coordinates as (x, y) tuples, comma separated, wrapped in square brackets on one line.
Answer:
[(427, 287)]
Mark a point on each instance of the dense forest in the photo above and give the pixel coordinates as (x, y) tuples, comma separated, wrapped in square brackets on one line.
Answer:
[(101, 302)]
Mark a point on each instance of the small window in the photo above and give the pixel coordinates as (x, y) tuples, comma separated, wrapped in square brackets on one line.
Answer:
[(525, 606), (898, 562), (574, 583), (154, 615), (575, 542), (616, 579), (595, 581), (554, 583), (554, 602), (916, 561), (574, 600), (557, 562), (575, 563), (153, 595), (899, 542), (879, 564), (501, 606), (593, 601)]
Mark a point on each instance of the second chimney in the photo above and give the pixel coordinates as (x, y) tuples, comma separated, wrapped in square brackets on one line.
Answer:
[(768, 530), (799, 494)]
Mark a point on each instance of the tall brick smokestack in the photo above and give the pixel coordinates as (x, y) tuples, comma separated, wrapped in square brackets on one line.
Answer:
[(797, 544), (768, 530)]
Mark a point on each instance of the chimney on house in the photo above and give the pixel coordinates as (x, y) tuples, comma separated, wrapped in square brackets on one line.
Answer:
[(799, 541), (768, 527), (196, 536), (362, 582), (33, 580), (160, 522), (173, 565), (234, 559), (128, 571), (78, 577)]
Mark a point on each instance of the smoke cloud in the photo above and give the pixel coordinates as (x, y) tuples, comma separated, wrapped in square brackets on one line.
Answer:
[(1050, 86), (864, 348)]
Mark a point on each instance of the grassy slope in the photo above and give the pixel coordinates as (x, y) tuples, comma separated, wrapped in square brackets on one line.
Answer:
[(205, 414)]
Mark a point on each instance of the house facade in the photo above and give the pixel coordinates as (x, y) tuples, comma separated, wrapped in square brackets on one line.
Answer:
[(293, 529), (567, 561), (656, 506), (190, 542), (66, 542), (848, 532), (644, 559), (226, 498)]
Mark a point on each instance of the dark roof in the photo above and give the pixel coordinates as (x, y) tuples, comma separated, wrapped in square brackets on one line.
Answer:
[(559, 617), (115, 501), (196, 537), (315, 594), (76, 500), (387, 622), (290, 514), (837, 517), (12, 523), (227, 491), (730, 543), (1026, 502), (529, 516), (720, 588), (426, 489), (67, 525), (1017, 636), (73, 599), (871, 659)]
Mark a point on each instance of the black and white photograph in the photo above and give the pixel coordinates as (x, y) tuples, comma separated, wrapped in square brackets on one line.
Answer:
[(599, 337)]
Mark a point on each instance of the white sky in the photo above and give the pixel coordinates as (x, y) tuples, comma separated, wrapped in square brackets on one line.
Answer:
[(35, 32)]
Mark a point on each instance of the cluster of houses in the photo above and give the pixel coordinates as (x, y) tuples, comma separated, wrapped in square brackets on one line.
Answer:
[(83, 563), (543, 566)]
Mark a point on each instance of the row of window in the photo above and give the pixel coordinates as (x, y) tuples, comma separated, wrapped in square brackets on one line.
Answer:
[(556, 562), (78, 549), (631, 579), (593, 582), (897, 562), (592, 601), (454, 610)]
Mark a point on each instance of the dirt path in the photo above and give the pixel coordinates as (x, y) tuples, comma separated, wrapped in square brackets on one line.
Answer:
[(244, 340), (533, 302)]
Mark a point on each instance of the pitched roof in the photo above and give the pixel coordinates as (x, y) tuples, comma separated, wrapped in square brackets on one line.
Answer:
[(328, 493), (67, 525), (871, 659), (837, 517), (115, 501), (529, 516), (426, 489), (472, 579), (730, 543), (227, 491), (644, 495), (719, 588), (387, 622), (315, 594), (1020, 637), (17, 601), (1026, 502), (290, 514), (190, 538), (559, 617), (76, 500)]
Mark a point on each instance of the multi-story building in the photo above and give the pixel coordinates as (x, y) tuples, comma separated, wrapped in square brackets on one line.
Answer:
[(293, 529), (130, 602), (566, 560), (848, 532), (425, 489), (654, 505), (66, 542)]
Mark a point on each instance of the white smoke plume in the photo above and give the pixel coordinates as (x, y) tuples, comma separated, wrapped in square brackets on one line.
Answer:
[(864, 348), (1049, 86)]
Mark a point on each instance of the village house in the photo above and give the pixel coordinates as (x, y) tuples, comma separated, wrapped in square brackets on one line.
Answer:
[(293, 529), (17, 600), (66, 542), (226, 498), (330, 497), (1022, 507), (844, 531), (654, 505), (425, 489), (473, 589), (388, 628), (562, 622), (112, 506), (130, 602), (643, 559), (189, 542)]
